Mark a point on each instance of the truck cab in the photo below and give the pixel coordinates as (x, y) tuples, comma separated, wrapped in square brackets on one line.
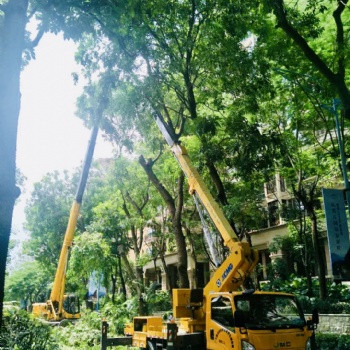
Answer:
[(252, 320)]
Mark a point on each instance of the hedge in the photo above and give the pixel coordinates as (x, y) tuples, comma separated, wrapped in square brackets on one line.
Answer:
[(328, 341)]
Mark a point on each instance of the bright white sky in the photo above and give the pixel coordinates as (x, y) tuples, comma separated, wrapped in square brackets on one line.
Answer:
[(50, 136)]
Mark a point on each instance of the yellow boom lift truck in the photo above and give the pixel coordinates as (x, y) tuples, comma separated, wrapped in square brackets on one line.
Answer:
[(60, 306), (223, 315)]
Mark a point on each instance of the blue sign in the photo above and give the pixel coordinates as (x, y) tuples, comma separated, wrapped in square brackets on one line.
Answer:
[(337, 231)]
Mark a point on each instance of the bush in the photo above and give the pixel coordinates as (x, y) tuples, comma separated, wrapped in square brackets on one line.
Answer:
[(83, 334), (21, 332), (158, 301), (326, 341), (86, 333), (117, 315), (337, 301)]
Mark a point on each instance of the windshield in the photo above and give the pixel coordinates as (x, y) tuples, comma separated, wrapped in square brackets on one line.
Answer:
[(270, 311)]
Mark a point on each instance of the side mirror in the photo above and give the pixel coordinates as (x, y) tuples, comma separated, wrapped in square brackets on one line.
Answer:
[(312, 324), (315, 316), (239, 319)]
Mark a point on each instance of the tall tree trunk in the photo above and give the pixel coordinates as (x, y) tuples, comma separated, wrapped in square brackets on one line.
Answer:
[(193, 253), (137, 243), (307, 199), (214, 175), (179, 236), (121, 276), (114, 283), (129, 270), (11, 47), (167, 275), (310, 291), (175, 213), (319, 257), (305, 257)]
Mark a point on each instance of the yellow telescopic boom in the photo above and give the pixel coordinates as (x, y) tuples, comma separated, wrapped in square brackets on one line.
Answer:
[(61, 306), (245, 257), (58, 289)]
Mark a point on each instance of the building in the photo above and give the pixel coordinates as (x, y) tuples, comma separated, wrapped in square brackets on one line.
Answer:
[(276, 197)]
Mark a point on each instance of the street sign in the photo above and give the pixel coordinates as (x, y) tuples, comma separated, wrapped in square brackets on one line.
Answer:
[(337, 231)]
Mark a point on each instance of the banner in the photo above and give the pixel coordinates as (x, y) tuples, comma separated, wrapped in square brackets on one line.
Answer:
[(337, 231)]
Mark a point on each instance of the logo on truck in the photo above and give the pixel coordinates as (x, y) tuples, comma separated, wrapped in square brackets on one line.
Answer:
[(224, 275), (282, 345)]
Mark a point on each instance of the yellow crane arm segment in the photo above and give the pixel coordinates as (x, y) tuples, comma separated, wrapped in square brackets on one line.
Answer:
[(242, 259), (57, 291), (197, 185), (58, 288)]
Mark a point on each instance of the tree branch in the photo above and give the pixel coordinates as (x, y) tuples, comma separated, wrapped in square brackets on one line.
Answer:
[(340, 38), (283, 23)]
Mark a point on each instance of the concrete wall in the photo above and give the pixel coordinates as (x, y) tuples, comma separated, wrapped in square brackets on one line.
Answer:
[(339, 324)]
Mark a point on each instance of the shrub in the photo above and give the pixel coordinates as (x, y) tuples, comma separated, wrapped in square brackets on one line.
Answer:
[(21, 332), (83, 334), (326, 341), (337, 301), (86, 333), (158, 301)]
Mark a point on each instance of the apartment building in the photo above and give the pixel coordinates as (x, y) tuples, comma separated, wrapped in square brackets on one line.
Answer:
[(276, 197)]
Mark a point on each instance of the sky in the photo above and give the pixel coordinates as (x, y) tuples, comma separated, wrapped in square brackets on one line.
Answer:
[(50, 135)]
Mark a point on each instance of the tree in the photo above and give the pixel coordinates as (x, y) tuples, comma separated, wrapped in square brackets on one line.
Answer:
[(28, 283), (134, 192), (13, 19), (108, 220), (302, 236), (90, 254), (303, 157), (19, 330), (47, 215), (160, 49), (125, 205), (175, 210), (152, 57), (16, 48), (306, 22)]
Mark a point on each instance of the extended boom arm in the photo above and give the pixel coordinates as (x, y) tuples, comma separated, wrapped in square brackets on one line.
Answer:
[(242, 259), (57, 292)]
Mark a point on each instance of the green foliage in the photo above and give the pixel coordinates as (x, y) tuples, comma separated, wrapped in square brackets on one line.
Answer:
[(86, 333), (47, 214), (297, 251), (276, 271), (119, 314), (156, 300), (326, 341), (28, 283), (244, 207), (20, 332), (255, 109), (90, 253), (337, 301)]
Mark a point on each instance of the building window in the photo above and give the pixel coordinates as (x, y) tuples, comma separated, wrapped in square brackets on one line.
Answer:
[(283, 185), (264, 260), (273, 213), (271, 187)]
